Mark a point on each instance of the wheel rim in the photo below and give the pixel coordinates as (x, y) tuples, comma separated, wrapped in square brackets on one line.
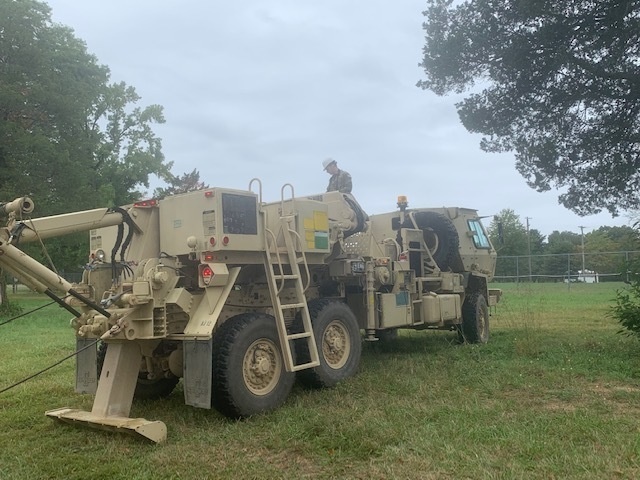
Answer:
[(336, 345), (262, 366)]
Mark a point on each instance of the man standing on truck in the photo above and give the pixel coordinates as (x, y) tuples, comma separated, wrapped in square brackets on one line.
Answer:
[(340, 180)]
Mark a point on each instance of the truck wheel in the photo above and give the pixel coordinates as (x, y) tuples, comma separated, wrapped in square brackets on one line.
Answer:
[(337, 335), (475, 319), (145, 389), (249, 375), (441, 237)]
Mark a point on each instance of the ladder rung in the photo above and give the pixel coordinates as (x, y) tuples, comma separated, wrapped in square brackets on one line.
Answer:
[(296, 336), (305, 365), (292, 305), (286, 277)]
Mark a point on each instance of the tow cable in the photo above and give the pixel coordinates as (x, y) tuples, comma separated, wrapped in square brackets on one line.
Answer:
[(26, 313), (50, 366)]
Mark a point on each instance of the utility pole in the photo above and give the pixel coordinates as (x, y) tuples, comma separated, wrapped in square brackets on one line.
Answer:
[(582, 237), (529, 246)]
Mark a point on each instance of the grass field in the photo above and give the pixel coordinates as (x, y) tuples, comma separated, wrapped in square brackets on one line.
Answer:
[(554, 394)]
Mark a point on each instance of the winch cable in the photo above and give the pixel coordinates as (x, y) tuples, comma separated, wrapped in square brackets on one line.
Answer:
[(40, 372), (60, 301), (49, 367), (27, 313), (45, 252)]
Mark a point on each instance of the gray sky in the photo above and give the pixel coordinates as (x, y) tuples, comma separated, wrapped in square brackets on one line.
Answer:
[(269, 89)]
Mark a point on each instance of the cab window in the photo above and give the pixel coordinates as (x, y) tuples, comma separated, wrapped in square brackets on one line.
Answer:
[(480, 239)]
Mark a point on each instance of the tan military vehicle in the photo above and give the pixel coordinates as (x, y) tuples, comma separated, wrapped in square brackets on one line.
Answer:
[(238, 297)]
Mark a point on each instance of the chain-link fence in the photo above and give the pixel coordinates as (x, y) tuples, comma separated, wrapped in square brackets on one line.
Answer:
[(566, 267)]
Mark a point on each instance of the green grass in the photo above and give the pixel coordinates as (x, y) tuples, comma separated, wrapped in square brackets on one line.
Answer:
[(554, 394)]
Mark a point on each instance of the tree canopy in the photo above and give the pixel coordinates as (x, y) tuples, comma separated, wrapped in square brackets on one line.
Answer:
[(555, 81), (187, 182), (68, 137), (508, 234)]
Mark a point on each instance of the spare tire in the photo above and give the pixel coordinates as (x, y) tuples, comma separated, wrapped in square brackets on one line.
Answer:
[(441, 237), (361, 216)]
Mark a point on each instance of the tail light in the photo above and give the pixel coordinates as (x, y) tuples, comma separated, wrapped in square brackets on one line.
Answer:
[(206, 274), (212, 275), (146, 203)]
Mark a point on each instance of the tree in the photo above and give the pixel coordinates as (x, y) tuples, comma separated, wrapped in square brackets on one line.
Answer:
[(559, 247), (69, 138), (128, 151), (509, 236), (555, 81), (188, 182), (601, 242), (627, 307)]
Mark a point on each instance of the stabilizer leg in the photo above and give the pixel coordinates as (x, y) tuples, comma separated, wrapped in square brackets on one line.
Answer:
[(112, 404)]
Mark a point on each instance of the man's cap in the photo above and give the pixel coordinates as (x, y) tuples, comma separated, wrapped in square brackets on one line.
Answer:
[(327, 162)]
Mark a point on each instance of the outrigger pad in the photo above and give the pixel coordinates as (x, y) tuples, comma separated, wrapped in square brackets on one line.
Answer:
[(155, 431)]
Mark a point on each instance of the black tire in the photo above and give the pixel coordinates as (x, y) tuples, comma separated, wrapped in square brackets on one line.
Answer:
[(475, 319), (337, 336), (249, 375), (145, 389), (441, 237), (361, 216), (387, 336)]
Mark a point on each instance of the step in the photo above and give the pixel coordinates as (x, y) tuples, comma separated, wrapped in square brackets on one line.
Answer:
[(285, 277), (296, 336), (305, 365), (292, 305)]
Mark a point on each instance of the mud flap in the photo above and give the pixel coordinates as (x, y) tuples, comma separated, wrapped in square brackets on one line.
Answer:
[(86, 366), (197, 372)]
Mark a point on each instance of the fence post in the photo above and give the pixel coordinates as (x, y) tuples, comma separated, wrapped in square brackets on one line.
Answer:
[(627, 266)]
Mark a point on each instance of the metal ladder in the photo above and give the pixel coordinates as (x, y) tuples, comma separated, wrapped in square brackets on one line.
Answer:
[(277, 279)]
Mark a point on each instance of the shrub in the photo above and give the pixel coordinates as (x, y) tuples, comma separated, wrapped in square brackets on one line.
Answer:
[(627, 307)]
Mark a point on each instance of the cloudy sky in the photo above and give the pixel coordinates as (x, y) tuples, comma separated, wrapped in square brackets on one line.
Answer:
[(268, 89)]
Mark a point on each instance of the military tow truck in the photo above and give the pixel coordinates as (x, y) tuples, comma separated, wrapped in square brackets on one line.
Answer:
[(239, 297)]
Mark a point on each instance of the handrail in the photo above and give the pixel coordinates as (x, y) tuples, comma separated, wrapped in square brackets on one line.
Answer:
[(277, 252), (256, 179), (304, 260), (282, 212)]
